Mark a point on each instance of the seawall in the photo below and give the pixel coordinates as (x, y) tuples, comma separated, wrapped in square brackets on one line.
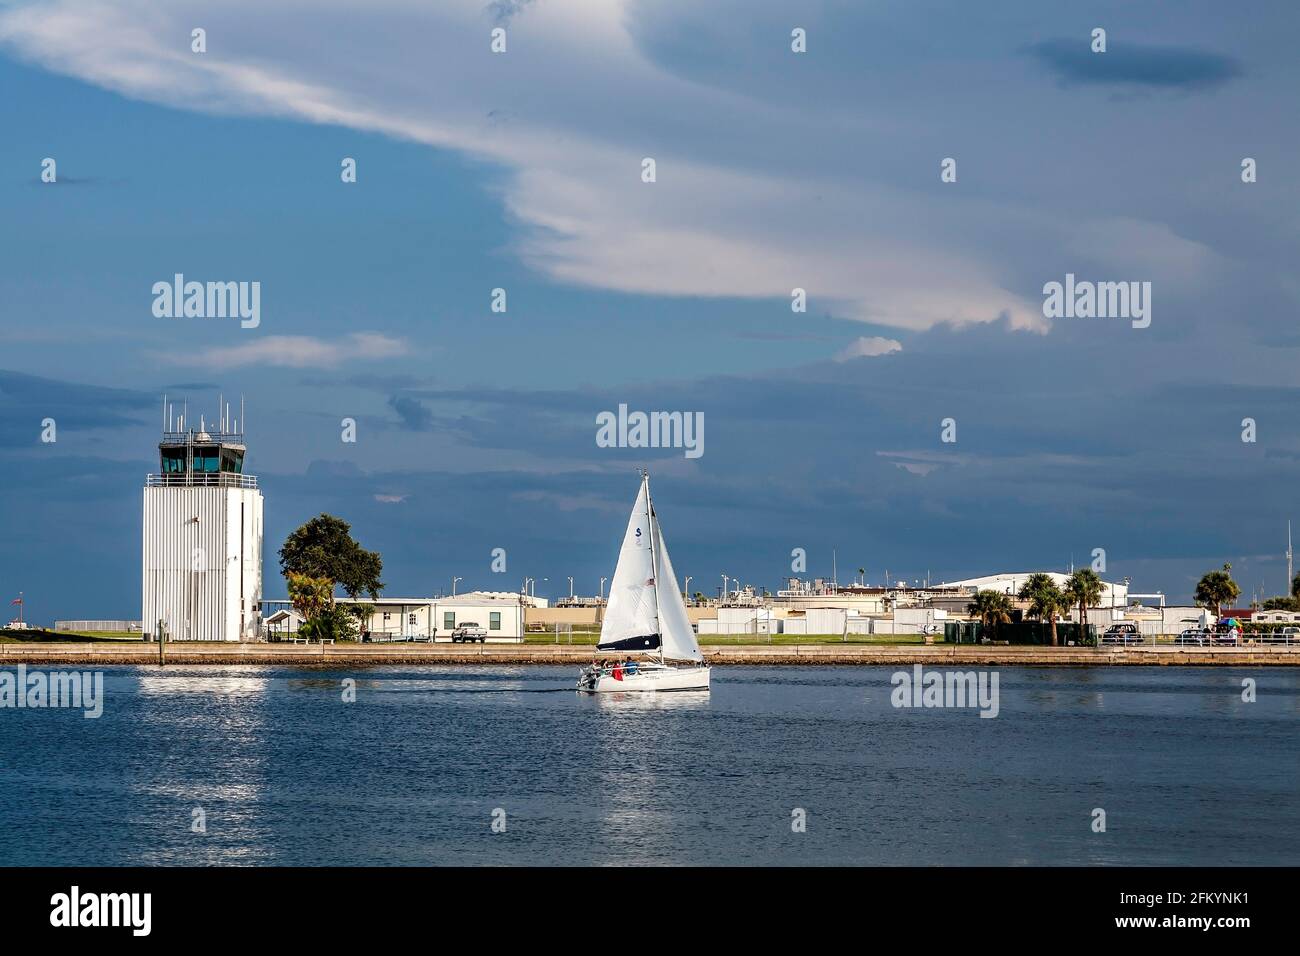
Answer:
[(352, 655)]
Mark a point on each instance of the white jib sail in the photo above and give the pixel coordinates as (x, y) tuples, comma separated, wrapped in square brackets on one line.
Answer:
[(632, 610), (674, 625)]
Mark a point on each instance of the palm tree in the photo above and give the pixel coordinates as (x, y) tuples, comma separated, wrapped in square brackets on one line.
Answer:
[(1217, 589), (991, 607), (862, 572), (1083, 588), (1046, 601)]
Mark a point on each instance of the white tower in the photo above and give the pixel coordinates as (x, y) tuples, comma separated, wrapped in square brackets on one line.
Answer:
[(202, 535)]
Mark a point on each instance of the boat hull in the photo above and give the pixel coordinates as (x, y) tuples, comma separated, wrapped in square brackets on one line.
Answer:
[(645, 679)]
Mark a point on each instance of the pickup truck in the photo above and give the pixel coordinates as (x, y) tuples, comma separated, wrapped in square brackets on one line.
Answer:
[(468, 632)]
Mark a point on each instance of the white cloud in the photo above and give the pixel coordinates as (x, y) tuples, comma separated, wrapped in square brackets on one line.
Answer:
[(868, 346), (569, 111), (292, 351)]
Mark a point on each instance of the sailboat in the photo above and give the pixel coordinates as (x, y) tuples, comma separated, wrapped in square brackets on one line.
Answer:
[(646, 617)]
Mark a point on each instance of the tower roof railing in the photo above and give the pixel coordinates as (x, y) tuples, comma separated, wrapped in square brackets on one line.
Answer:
[(220, 479), (213, 437)]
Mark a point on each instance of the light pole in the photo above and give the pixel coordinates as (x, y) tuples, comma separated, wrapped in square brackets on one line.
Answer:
[(602, 588), (570, 587), (724, 586), (687, 588), (453, 585)]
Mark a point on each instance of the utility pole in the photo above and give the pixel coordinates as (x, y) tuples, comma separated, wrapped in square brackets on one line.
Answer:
[(453, 585), (1290, 570)]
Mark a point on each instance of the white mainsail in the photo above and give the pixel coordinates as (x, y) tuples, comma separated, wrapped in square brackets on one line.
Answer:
[(633, 610), (646, 610), (674, 625)]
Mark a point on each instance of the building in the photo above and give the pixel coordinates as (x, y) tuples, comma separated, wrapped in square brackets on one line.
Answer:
[(1112, 595), (501, 614), (202, 536)]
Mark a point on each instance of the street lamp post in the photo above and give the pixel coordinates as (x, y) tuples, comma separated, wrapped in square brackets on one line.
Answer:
[(602, 588), (453, 585), (687, 588)]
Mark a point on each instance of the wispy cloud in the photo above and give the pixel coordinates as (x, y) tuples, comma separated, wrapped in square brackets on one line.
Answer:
[(868, 346), (292, 351)]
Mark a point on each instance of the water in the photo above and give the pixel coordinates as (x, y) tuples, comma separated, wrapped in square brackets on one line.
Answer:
[(289, 774)]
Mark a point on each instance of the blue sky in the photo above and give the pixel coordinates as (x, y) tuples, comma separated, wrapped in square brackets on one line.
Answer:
[(775, 170)]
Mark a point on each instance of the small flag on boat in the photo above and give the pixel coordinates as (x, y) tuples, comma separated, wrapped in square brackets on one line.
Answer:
[(16, 601)]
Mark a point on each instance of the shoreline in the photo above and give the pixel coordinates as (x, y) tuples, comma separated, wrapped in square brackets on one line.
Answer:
[(347, 655)]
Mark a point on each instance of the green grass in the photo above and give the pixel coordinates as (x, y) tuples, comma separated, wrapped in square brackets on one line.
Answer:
[(33, 636)]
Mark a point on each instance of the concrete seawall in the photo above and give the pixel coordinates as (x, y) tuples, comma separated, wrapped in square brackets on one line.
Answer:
[(352, 655)]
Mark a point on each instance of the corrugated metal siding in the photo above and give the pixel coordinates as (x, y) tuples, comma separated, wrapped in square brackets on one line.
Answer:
[(192, 570)]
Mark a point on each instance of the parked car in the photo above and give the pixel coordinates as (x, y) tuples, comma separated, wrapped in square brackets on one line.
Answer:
[(468, 632), (1287, 635), (1194, 636), (1122, 634)]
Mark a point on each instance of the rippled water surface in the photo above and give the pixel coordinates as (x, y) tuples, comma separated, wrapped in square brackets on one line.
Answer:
[(288, 773)]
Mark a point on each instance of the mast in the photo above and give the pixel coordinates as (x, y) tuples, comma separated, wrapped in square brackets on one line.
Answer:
[(654, 558)]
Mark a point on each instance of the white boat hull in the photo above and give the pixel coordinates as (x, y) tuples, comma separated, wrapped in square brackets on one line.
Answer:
[(652, 678)]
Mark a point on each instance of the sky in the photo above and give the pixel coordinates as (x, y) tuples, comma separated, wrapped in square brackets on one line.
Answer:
[(774, 171)]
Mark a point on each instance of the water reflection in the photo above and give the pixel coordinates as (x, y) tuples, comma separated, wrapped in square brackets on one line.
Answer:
[(680, 700), (288, 774)]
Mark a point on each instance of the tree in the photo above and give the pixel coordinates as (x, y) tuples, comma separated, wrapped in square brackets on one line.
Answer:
[(991, 607), (1295, 587), (309, 596), (862, 576), (1083, 589), (1217, 589), (324, 548), (1046, 600), (1281, 604)]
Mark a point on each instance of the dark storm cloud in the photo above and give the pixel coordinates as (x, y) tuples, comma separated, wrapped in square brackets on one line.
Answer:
[(27, 399), (1135, 65), (413, 413)]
